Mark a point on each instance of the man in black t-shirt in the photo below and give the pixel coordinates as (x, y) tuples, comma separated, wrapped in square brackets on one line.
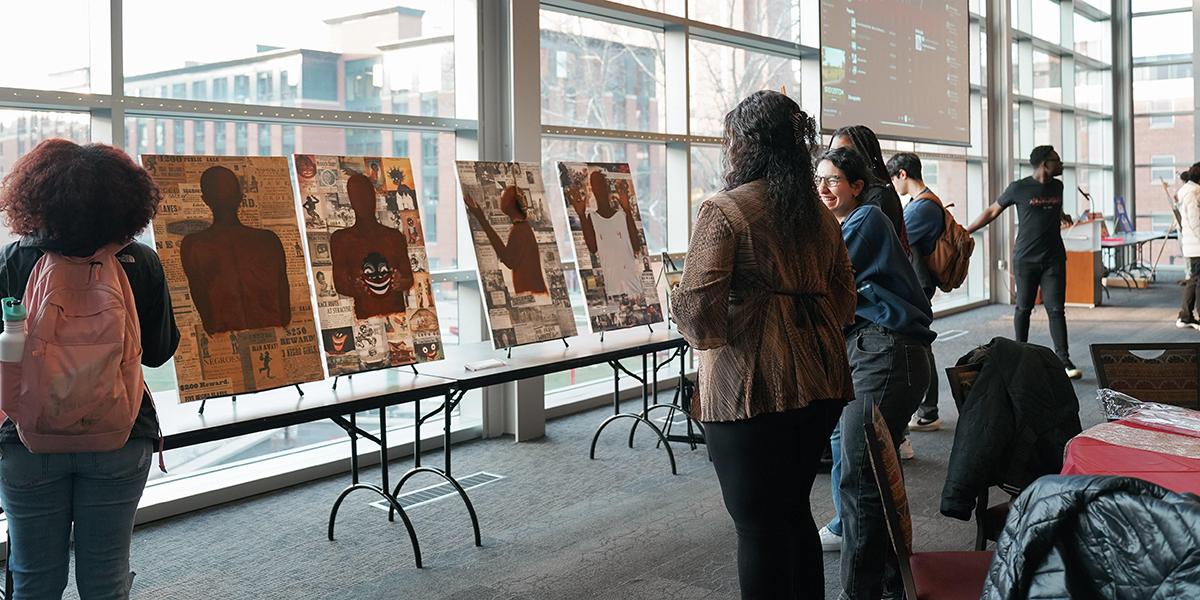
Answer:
[(1039, 258)]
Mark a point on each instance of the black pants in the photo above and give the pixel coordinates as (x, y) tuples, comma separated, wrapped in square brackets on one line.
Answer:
[(890, 371), (1052, 279), (766, 466), (1188, 309)]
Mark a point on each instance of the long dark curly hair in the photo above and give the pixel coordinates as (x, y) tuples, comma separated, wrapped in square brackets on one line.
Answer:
[(78, 197), (768, 136)]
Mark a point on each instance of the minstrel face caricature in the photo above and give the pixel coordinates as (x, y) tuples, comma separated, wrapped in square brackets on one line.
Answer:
[(377, 274), (338, 340)]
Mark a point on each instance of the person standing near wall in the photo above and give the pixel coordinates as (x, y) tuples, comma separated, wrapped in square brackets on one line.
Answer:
[(765, 293), (1039, 258), (925, 221), (1188, 196)]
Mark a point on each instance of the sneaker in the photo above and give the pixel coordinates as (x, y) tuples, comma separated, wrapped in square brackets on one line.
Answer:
[(1185, 323), (830, 541), (923, 424), (1073, 372), (906, 450)]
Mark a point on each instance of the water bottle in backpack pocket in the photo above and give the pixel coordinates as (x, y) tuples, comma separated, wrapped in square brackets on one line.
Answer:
[(78, 386)]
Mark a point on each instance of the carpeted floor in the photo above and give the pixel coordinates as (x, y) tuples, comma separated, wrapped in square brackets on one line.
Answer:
[(559, 525)]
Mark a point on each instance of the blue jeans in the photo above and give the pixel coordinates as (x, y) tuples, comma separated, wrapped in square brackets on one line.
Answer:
[(835, 477), (43, 494)]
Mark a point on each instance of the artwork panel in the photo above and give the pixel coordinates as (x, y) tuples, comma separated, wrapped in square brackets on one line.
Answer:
[(376, 268), (228, 236), (610, 245), (520, 270)]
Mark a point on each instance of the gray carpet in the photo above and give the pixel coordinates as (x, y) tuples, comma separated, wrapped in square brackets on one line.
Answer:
[(559, 525)]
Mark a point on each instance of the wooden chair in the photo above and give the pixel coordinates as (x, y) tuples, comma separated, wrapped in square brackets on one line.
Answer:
[(1168, 373), (926, 575), (989, 520)]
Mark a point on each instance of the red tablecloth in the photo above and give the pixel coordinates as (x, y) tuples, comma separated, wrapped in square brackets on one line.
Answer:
[(1167, 459)]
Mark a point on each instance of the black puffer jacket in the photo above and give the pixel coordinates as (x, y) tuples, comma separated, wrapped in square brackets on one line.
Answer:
[(1015, 422), (1084, 536)]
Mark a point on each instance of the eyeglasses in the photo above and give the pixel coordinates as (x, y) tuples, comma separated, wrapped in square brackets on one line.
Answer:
[(830, 181)]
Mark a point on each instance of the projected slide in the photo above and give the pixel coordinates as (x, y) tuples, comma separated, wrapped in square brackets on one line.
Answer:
[(898, 66)]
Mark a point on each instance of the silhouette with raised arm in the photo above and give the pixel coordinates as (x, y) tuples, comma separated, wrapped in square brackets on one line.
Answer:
[(237, 275), (370, 260), (520, 254), (611, 233)]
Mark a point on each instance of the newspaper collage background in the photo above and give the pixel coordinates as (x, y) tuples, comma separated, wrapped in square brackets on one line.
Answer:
[(358, 332), (227, 348), (516, 250), (614, 265)]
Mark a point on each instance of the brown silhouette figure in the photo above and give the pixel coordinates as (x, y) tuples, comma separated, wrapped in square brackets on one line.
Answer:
[(606, 209), (520, 253), (237, 274), (370, 260)]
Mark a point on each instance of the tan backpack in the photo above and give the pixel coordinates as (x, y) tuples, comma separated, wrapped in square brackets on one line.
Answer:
[(951, 256)]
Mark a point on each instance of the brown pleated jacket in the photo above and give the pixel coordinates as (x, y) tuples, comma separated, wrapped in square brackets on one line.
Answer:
[(766, 314)]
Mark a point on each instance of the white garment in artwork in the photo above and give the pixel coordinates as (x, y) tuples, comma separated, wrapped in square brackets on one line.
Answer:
[(620, 267)]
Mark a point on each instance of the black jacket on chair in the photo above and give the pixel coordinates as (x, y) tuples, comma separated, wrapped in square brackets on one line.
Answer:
[(1014, 424), (1086, 536)]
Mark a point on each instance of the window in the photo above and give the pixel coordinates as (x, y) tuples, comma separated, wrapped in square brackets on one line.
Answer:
[(429, 184), (599, 74), (219, 132), (240, 138), (721, 76), (160, 137), (1162, 121), (367, 48), (199, 90), (198, 146), (61, 61), (779, 19), (177, 136), (220, 90), (1162, 36), (264, 139), (1162, 168), (1047, 20), (241, 88), (1047, 77), (22, 130), (289, 140), (265, 89)]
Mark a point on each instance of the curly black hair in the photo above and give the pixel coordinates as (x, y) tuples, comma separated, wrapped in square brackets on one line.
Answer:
[(768, 136), (78, 197)]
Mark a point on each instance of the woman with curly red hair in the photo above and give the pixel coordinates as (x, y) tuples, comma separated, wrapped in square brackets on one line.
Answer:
[(74, 200)]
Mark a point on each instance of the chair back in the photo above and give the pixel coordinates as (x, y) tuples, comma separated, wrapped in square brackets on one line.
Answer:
[(885, 465), (1168, 373)]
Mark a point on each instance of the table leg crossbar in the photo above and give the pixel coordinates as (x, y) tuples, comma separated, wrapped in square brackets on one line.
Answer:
[(617, 415)]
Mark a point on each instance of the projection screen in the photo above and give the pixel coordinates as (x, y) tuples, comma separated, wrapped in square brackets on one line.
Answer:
[(899, 67)]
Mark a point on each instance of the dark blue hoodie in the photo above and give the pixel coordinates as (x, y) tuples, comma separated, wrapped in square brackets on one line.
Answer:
[(888, 292)]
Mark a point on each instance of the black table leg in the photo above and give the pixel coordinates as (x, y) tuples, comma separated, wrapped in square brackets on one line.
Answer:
[(451, 400), (354, 432), (618, 368)]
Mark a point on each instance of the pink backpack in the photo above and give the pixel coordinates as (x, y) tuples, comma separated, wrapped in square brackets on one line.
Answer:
[(79, 386)]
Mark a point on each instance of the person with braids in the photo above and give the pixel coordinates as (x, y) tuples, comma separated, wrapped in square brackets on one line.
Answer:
[(765, 293), (879, 191), (73, 200), (888, 347)]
